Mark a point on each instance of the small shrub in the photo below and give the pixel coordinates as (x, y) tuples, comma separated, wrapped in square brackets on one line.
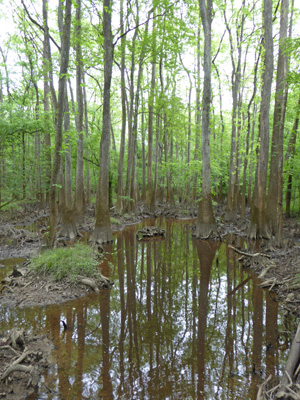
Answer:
[(66, 262)]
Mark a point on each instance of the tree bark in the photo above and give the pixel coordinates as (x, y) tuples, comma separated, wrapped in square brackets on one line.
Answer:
[(244, 203), (150, 194), (233, 184), (198, 119), (206, 219), (289, 156), (120, 185), (258, 224), (46, 66), (64, 63), (274, 199), (79, 183), (102, 232), (68, 226), (86, 128)]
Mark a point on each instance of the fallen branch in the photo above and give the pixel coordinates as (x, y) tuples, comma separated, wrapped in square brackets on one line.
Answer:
[(90, 283), (263, 273), (10, 348), (261, 388), (243, 253), (7, 287), (21, 358), (268, 282), (13, 368), (294, 287), (293, 394)]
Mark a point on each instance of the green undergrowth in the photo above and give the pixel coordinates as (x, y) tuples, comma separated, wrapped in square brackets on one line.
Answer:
[(66, 262), (115, 221)]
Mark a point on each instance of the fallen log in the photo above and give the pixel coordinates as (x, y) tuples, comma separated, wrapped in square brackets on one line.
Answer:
[(90, 283), (293, 359)]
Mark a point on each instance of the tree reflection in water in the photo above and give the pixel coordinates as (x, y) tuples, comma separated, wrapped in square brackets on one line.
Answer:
[(183, 321)]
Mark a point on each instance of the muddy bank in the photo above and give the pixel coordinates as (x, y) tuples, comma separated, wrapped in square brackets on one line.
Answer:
[(23, 358), (24, 289), (22, 230), (21, 236)]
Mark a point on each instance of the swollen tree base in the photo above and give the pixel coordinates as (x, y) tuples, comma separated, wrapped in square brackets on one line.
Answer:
[(102, 234), (68, 226), (69, 230), (206, 223), (258, 228)]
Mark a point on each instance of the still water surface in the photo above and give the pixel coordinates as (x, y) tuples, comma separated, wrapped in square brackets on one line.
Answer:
[(183, 321)]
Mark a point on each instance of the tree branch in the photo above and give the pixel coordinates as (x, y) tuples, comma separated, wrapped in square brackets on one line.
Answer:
[(38, 25)]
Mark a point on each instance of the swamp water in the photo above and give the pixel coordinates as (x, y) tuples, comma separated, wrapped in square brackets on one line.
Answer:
[(183, 321)]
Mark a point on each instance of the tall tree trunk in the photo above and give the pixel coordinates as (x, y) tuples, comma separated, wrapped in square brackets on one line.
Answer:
[(120, 185), (233, 184), (289, 156), (87, 154), (150, 195), (143, 155), (131, 140), (46, 67), (206, 219), (68, 226), (102, 232), (243, 205), (220, 149), (258, 224), (79, 184), (64, 63), (198, 118), (273, 199)]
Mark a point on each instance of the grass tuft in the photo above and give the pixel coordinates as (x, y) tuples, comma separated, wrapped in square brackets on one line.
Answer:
[(66, 262), (115, 221)]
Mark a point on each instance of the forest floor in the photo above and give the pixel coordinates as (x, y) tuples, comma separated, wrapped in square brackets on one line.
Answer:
[(21, 236)]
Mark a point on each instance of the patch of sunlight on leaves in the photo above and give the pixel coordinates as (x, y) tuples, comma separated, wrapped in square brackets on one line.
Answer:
[(66, 262)]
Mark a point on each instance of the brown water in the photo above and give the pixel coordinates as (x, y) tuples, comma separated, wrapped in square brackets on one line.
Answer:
[(183, 321)]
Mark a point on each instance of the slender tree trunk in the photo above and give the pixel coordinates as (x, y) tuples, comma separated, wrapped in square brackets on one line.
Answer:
[(120, 185), (206, 220), (243, 205), (198, 118), (102, 232), (143, 155), (150, 197), (64, 63), (273, 199), (79, 184), (258, 224), (131, 140), (289, 157), (251, 157), (86, 128), (68, 227), (46, 67), (222, 162), (233, 184)]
